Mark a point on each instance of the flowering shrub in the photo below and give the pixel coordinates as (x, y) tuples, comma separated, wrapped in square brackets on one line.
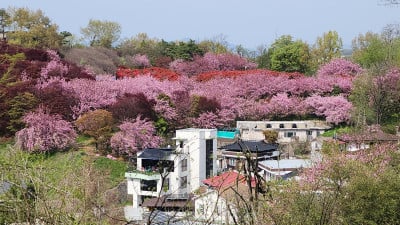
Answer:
[(134, 135), (339, 67), (211, 62), (156, 72), (139, 61), (335, 109), (45, 133)]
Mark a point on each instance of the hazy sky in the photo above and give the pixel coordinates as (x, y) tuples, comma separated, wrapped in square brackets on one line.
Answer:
[(250, 23)]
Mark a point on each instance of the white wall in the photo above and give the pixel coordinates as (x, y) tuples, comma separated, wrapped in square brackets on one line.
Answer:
[(211, 208)]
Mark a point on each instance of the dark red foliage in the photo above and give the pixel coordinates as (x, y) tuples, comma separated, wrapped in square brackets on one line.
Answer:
[(75, 71), (156, 72), (163, 61), (36, 54), (130, 106), (58, 100), (181, 101), (236, 73), (208, 105)]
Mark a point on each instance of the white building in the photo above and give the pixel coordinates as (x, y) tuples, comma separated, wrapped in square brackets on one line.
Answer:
[(221, 198), (174, 173), (282, 169), (288, 131)]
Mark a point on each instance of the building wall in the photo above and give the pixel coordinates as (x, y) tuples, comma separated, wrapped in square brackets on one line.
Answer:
[(211, 208), (194, 145), (288, 131), (190, 145)]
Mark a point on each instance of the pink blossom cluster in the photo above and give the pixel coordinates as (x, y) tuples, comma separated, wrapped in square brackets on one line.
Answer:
[(335, 109), (134, 135), (211, 62), (45, 132), (340, 67), (377, 159), (140, 61)]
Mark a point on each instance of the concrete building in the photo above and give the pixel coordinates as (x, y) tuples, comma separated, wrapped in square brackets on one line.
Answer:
[(174, 173), (282, 169), (288, 131)]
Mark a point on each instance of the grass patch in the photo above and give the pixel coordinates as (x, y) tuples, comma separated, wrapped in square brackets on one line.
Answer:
[(114, 168), (84, 140), (337, 130)]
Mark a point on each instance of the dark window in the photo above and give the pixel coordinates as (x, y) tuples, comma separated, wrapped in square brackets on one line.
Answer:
[(294, 125), (281, 125), (290, 134), (209, 157), (268, 125), (184, 165), (148, 185), (183, 182), (309, 132), (180, 144)]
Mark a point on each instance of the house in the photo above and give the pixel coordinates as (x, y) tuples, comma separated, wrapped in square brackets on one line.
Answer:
[(232, 156), (369, 136), (170, 174), (288, 131), (282, 169), (220, 200)]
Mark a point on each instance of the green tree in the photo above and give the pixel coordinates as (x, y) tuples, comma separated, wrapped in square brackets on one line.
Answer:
[(4, 22), (217, 45), (32, 29), (326, 48), (101, 33), (288, 55), (369, 50), (180, 50), (271, 136), (140, 44), (19, 105)]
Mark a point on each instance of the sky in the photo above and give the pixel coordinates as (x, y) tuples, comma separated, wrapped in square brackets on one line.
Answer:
[(249, 23)]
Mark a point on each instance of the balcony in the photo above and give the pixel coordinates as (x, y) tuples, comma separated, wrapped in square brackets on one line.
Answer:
[(143, 175)]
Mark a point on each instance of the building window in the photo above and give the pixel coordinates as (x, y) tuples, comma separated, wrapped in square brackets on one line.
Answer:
[(148, 185), (183, 183), (281, 125), (294, 125), (180, 144), (289, 134), (232, 162), (184, 165), (309, 133), (209, 157), (268, 125)]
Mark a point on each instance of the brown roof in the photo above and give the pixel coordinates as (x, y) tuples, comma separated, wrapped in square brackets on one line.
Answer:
[(165, 202)]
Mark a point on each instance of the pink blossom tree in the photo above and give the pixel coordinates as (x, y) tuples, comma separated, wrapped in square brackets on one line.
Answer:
[(140, 61), (207, 120), (134, 135), (45, 133), (339, 67), (336, 109)]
